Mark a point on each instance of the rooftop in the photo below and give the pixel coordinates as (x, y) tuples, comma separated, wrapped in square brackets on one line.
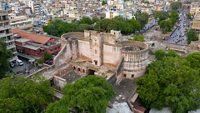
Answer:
[(122, 94), (34, 37), (71, 77), (32, 47), (22, 40)]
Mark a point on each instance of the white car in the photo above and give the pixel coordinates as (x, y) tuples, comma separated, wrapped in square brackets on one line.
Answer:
[(19, 62)]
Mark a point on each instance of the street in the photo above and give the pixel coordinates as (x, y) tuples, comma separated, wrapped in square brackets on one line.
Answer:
[(178, 36)]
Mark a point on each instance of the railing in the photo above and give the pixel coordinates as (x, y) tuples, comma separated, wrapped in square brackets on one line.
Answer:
[(4, 27), (11, 46), (5, 34)]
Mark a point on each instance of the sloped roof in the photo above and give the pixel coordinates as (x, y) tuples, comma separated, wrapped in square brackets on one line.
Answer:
[(33, 37)]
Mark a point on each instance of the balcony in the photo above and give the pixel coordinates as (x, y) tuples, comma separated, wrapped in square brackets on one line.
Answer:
[(5, 34), (4, 27), (8, 41), (3, 21), (11, 46)]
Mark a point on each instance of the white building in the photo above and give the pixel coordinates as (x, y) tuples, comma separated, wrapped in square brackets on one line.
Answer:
[(21, 22), (6, 35)]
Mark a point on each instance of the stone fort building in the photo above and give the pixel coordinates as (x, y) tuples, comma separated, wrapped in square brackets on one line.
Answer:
[(104, 54)]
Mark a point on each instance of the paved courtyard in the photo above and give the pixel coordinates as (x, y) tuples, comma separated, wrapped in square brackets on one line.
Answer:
[(124, 90), (25, 69)]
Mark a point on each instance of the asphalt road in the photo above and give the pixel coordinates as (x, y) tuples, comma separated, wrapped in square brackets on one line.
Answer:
[(178, 36)]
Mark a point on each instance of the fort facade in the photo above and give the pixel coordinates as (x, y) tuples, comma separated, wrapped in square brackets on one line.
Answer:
[(104, 54)]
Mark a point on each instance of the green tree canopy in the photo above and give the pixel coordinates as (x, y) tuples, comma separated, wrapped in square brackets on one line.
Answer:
[(24, 95), (189, 16), (58, 27), (192, 36), (118, 23), (175, 5), (174, 16), (161, 54), (139, 38), (194, 60), (143, 18), (86, 20), (166, 25), (170, 82), (90, 94), (5, 54), (104, 2), (46, 56), (166, 20), (126, 26), (161, 15)]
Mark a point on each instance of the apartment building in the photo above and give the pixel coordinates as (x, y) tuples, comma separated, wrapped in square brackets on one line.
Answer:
[(22, 22), (6, 35)]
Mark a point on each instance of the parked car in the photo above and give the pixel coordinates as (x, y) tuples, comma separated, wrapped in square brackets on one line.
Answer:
[(19, 62)]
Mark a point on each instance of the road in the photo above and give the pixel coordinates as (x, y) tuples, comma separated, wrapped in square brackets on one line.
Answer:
[(178, 36), (149, 25)]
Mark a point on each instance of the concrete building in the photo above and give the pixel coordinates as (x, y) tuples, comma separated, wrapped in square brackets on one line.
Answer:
[(196, 22), (5, 33), (34, 45), (21, 22), (195, 8)]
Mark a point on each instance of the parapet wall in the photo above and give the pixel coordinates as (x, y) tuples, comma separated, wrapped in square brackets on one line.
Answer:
[(136, 56)]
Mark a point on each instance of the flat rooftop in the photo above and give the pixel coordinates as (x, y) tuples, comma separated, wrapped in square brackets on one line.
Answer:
[(124, 90), (22, 40), (32, 47), (71, 77)]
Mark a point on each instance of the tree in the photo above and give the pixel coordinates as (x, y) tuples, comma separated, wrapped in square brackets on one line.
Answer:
[(142, 18), (161, 54), (24, 95), (160, 15), (192, 36), (86, 20), (194, 60), (5, 54), (175, 5), (166, 25), (174, 16), (189, 16), (173, 84), (135, 25), (90, 94), (47, 56), (104, 2), (139, 38)]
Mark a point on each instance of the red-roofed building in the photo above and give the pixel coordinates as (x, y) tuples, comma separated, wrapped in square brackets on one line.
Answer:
[(35, 45)]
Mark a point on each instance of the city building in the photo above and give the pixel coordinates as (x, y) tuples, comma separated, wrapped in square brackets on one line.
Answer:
[(6, 35), (34, 45), (194, 8), (196, 22), (21, 22)]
